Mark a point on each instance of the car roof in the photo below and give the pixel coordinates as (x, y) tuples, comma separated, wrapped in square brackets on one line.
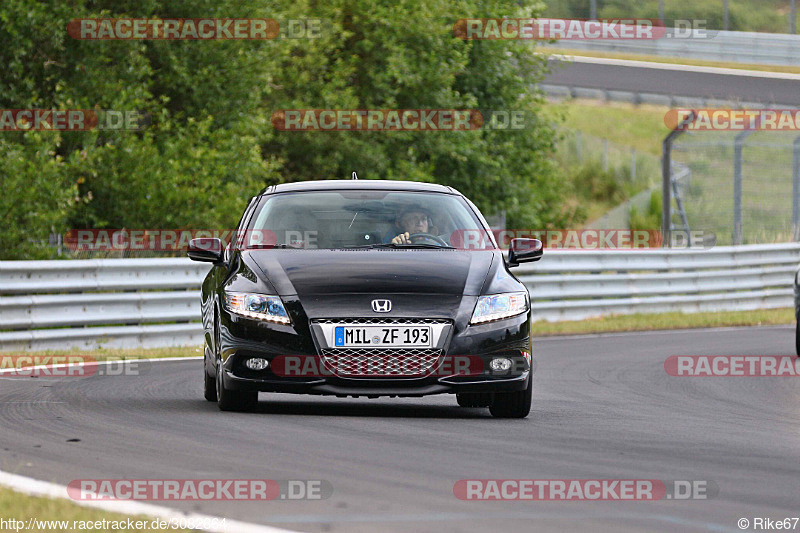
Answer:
[(384, 185)]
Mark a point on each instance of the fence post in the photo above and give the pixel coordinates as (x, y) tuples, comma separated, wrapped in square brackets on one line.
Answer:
[(605, 155), (725, 17), (633, 165), (666, 178), (738, 145), (796, 189)]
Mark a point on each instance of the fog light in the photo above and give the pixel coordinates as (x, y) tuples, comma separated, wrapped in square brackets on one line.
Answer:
[(501, 364), (256, 363)]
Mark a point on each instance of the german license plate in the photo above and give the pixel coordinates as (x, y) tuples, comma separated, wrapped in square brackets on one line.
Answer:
[(383, 336)]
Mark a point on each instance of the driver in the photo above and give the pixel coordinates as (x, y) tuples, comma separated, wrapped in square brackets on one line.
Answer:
[(410, 220)]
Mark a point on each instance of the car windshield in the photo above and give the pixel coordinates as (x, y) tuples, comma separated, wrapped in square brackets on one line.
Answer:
[(363, 219)]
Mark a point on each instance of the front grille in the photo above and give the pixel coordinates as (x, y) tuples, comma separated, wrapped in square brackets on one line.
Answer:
[(380, 362), (379, 321)]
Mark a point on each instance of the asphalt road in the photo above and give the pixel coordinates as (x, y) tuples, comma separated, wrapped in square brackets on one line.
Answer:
[(603, 408), (676, 82)]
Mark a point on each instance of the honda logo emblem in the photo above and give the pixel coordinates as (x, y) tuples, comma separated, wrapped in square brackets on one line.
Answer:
[(381, 306)]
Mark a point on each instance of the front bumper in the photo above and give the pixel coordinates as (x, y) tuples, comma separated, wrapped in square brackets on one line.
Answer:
[(509, 338), (377, 387)]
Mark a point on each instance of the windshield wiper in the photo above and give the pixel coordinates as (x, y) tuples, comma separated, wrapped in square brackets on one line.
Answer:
[(393, 245), (268, 246)]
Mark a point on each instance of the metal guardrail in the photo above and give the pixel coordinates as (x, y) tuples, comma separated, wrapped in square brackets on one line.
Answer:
[(711, 45), (47, 305), (560, 92), (117, 303), (577, 284)]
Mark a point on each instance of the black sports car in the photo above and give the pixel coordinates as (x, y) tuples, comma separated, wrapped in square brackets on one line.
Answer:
[(797, 310), (366, 288)]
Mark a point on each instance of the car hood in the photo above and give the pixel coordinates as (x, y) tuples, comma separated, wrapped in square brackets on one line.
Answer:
[(376, 271)]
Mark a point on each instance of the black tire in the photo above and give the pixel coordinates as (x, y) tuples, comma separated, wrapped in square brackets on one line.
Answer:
[(234, 400), (227, 399), (797, 338), (209, 385), (513, 404), (474, 399)]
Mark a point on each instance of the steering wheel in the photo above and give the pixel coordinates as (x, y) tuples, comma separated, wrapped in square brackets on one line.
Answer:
[(428, 236)]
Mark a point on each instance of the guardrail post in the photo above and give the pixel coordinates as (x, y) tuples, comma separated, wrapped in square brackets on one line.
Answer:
[(666, 178)]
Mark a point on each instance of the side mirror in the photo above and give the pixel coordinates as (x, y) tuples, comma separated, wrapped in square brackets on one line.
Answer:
[(205, 249), (524, 251)]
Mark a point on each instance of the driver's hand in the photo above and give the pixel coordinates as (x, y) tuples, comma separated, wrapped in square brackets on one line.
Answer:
[(403, 238)]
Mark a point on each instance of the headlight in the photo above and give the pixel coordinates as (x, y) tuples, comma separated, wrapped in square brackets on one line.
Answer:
[(497, 306), (269, 308)]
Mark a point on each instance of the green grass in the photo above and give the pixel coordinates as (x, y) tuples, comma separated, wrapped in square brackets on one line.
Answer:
[(583, 126), (640, 127), (661, 321), (18, 506)]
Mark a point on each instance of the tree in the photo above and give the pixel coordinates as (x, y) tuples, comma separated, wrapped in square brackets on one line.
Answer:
[(210, 145)]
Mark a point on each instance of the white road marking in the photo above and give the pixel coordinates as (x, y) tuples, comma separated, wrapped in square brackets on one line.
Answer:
[(34, 487)]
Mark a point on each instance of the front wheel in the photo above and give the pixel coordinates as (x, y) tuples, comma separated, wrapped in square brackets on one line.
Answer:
[(797, 337), (233, 400), (209, 385), (227, 399), (513, 404)]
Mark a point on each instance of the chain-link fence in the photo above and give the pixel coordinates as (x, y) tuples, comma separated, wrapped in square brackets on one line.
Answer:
[(740, 186), (609, 178)]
